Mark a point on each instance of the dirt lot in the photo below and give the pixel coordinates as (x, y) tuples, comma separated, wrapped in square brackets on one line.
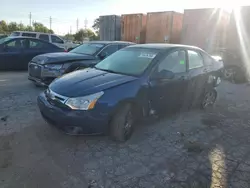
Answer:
[(196, 149)]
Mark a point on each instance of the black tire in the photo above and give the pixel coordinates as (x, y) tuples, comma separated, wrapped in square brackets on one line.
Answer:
[(208, 99), (122, 123), (234, 74)]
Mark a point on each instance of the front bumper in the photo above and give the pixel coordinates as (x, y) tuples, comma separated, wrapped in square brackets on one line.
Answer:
[(73, 122), (42, 76)]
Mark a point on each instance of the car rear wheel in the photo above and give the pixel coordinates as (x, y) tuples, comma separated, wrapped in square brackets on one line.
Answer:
[(122, 123), (209, 99)]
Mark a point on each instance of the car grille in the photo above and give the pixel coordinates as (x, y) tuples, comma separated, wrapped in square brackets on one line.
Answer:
[(35, 70)]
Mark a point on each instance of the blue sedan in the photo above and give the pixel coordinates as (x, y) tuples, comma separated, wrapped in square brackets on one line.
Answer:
[(133, 83), (16, 52)]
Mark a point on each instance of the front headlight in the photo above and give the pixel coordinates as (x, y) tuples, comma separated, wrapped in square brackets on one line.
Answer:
[(53, 66), (84, 103)]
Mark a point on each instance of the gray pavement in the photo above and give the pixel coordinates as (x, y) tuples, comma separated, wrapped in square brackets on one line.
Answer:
[(195, 149)]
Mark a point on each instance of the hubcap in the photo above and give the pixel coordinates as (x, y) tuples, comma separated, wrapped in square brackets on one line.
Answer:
[(209, 99), (128, 124), (229, 73)]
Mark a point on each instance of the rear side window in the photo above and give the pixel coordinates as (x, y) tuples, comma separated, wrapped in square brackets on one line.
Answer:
[(15, 34), (36, 44), (120, 46), (44, 37), (175, 62), (195, 60), (207, 59), (110, 49), (56, 39), (29, 35)]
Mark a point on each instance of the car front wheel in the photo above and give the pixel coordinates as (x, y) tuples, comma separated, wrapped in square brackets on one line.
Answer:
[(122, 123)]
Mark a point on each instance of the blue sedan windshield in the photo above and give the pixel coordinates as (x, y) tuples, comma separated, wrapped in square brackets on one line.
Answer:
[(130, 61), (4, 40), (87, 48)]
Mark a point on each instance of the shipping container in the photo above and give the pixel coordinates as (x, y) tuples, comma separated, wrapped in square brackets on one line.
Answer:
[(164, 27), (239, 27), (236, 55), (133, 27), (110, 28), (205, 28)]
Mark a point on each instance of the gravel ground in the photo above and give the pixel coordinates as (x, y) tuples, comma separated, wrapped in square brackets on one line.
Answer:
[(196, 149)]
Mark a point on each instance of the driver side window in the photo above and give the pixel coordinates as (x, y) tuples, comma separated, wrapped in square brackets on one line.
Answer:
[(110, 50), (14, 45), (175, 62)]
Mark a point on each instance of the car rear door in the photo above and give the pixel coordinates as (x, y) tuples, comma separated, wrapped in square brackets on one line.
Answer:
[(168, 95), (198, 74)]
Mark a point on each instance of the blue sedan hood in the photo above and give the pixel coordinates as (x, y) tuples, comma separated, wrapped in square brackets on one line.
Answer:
[(87, 81), (60, 57)]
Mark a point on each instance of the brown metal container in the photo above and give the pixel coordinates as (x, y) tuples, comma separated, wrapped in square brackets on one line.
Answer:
[(234, 34), (164, 27), (133, 27), (205, 28)]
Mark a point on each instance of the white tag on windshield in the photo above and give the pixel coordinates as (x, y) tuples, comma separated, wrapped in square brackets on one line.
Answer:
[(147, 55)]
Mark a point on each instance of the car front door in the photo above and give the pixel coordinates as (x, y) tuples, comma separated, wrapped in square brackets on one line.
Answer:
[(11, 54), (32, 48), (167, 95), (198, 74)]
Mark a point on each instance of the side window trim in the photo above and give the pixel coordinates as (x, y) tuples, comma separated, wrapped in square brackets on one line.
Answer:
[(189, 61)]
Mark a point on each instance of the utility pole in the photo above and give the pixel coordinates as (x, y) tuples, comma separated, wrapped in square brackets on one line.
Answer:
[(77, 25), (85, 23), (50, 22), (30, 18), (85, 26), (70, 30)]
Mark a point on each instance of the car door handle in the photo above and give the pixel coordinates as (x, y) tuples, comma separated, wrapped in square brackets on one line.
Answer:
[(205, 70)]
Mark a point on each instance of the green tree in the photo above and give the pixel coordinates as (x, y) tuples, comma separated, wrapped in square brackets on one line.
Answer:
[(13, 26), (85, 33), (3, 27), (39, 27), (96, 25), (21, 27), (69, 37), (28, 28)]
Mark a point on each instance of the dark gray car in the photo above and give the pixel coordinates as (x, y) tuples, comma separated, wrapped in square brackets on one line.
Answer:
[(43, 69)]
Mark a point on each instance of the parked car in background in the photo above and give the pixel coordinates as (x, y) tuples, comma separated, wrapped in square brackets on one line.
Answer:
[(52, 65), (235, 69), (16, 52), (47, 37), (133, 83), (3, 36)]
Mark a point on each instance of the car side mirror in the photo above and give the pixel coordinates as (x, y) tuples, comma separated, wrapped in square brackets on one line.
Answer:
[(164, 74)]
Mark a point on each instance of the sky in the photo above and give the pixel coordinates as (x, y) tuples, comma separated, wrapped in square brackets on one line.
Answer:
[(64, 13)]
